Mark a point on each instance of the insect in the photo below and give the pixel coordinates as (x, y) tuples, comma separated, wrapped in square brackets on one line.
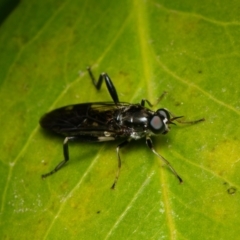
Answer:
[(109, 121)]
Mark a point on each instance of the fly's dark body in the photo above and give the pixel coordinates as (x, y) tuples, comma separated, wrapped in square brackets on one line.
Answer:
[(100, 121), (108, 121)]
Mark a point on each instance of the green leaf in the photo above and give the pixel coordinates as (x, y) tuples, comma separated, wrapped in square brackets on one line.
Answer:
[(189, 49)]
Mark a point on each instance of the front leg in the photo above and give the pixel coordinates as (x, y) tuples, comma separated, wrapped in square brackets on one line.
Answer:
[(150, 145), (150, 104)]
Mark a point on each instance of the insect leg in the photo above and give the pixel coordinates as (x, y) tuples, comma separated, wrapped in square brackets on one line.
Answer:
[(150, 145), (150, 104), (119, 161), (66, 157), (109, 84)]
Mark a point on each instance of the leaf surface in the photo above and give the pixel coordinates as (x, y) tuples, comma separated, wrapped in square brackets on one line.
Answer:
[(189, 49)]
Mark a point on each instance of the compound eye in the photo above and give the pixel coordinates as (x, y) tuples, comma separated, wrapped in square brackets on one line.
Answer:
[(164, 113), (159, 122), (157, 125)]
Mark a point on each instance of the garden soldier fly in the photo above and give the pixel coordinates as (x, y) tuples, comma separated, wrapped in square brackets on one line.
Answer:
[(109, 121)]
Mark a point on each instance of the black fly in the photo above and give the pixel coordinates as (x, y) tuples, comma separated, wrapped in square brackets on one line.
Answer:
[(108, 121)]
